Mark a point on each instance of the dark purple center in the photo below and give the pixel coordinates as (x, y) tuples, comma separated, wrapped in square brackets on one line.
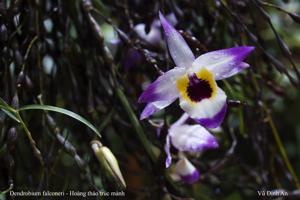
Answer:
[(198, 89)]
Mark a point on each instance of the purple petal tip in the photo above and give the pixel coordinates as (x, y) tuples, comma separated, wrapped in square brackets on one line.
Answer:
[(140, 100), (148, 95), (142, 117), (249, 49), (191, 178), (215, 121), (168, 163), (241, 52), (165, 24), (212, 143), (148, 111)]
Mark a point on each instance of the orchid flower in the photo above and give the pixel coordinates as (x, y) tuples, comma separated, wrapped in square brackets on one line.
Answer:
[(188, 138), (186, 171), (133, 58), (193, 80), (154, 35)]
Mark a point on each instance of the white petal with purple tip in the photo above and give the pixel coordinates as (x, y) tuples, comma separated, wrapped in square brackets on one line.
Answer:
[(187, 171), (230, 72), (191, 138), (179, 50), (154, 107), (223, 63), (163, 88)]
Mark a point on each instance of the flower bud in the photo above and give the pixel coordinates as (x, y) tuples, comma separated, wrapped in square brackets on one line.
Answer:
[(15, 101), (21, 78), (28, 82), (12, 137), (108, 162), (3, 33), (18, 57)]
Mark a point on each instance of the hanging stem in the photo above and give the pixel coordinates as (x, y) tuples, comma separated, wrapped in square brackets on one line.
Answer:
[(33, 145), (282, 149), (135, 122)]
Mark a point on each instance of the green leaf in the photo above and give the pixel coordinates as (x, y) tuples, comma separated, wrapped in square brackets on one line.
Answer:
[(8, 110), (2, 193), (136, 124), (62, 111), (2, 102), (10, 114)]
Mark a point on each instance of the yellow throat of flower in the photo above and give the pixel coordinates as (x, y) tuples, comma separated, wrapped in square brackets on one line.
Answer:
[(197, 86)]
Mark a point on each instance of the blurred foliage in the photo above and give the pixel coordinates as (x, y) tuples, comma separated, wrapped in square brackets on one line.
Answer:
[(63, 53)]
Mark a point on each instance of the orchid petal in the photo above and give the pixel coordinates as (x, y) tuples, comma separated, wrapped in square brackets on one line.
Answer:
[(187, 171), (191, 138), (171, 18), (168, 152), (208, 112), (163, 88), (179, 50), (153, 37), (154, 107), (214, 121), (223, 63)]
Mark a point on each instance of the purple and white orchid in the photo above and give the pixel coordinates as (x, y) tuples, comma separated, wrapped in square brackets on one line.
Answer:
[(154, 36), (133, 58), (186, 171), (188, 138), (193, 80)]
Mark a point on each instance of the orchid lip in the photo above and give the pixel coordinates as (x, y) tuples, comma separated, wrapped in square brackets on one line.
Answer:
[(198, 89)]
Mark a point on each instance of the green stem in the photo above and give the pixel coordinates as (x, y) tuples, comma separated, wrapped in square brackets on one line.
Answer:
[(282, 149), (36, 151), (28, 50), (14, 114), (106, 120), (137, 126)]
